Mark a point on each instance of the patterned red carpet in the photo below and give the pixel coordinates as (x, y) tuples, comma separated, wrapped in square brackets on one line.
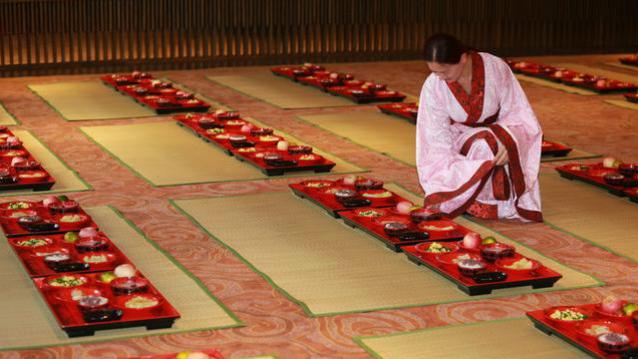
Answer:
[(274, 324)]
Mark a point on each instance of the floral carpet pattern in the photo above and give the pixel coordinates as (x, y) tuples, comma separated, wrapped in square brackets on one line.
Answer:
[(274, 324)]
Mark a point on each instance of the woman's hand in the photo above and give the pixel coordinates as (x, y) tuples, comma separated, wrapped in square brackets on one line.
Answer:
[(502, 156)]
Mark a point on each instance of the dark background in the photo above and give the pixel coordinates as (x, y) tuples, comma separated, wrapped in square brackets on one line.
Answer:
[(79, 36)]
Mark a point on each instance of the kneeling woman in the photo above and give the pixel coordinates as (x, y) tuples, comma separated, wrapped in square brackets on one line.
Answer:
[(478, 140)]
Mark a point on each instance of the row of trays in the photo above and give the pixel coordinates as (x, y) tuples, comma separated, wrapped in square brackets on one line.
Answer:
[(409, 112), (620, 179), (87, 282), (573, 78), (339, 84), (475, 265), (159, 95), (18, 168), (603, 330), (629, 60), (259, 146)]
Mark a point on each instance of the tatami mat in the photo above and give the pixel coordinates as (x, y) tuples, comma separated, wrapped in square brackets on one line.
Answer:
[(280, 92), (6, 118), (624, 104), (91, 100), (166, 154), (28, 323), (590, 213), (396, 139), (509, 338), (328, 267), (67, 180)]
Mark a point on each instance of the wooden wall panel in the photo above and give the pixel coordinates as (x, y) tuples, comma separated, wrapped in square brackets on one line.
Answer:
[(75, 36)]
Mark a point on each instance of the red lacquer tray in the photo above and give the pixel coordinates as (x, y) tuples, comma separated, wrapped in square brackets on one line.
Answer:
[(361, 218), (301, 162), (406, 111), (599, 85), (593, 174), (159, 95), (325, 79), (359, 95), (24, 174), (296, 72), (540, 277), (33, 251), (217, 129), (631, 97), (549, 148), (632, 194), (212, 353), (69, 220), (575, 332), (324, 197), (629, 60), (70, 317)]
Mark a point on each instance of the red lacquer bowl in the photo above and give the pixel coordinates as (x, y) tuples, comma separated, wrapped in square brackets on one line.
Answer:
[(566, 316), (139, 303)]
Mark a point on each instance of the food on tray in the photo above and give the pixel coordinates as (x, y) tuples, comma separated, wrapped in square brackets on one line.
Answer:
[(247, 128), (95, 258), (71, 237), (67, 281), (370, 213), (247, 149), (214, 131), (107, 277), (521, 264), (18, 205), (192, 355), (281, 145), (269, 138), (596, 330), (611, 304), (488, 240), (235, 122), (461, 257), (611, 162), (72, 218), (470, 267), (57, 257), (404, 207), (419, 215), (349, 180), (32, 175), (308, 157), (91, 244), (129, 285), (394, 228), (14, 153), (629, 308), (33, 242), (613, 342), (383, 194), (223, 136), (261, 131), (317, 184), (362, 184), (20, 214), (494, 251), (472, 240), (437, 228), (141, 301), (87, 232), (125, 271), (436, 247), (299, 149), (567, 315), (92, 302), (343, 193)]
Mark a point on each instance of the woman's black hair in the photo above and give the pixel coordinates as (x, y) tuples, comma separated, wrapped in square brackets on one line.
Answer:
[(444, 49)]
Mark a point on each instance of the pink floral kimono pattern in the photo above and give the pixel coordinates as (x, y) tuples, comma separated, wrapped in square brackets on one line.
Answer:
[(457, 137)]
